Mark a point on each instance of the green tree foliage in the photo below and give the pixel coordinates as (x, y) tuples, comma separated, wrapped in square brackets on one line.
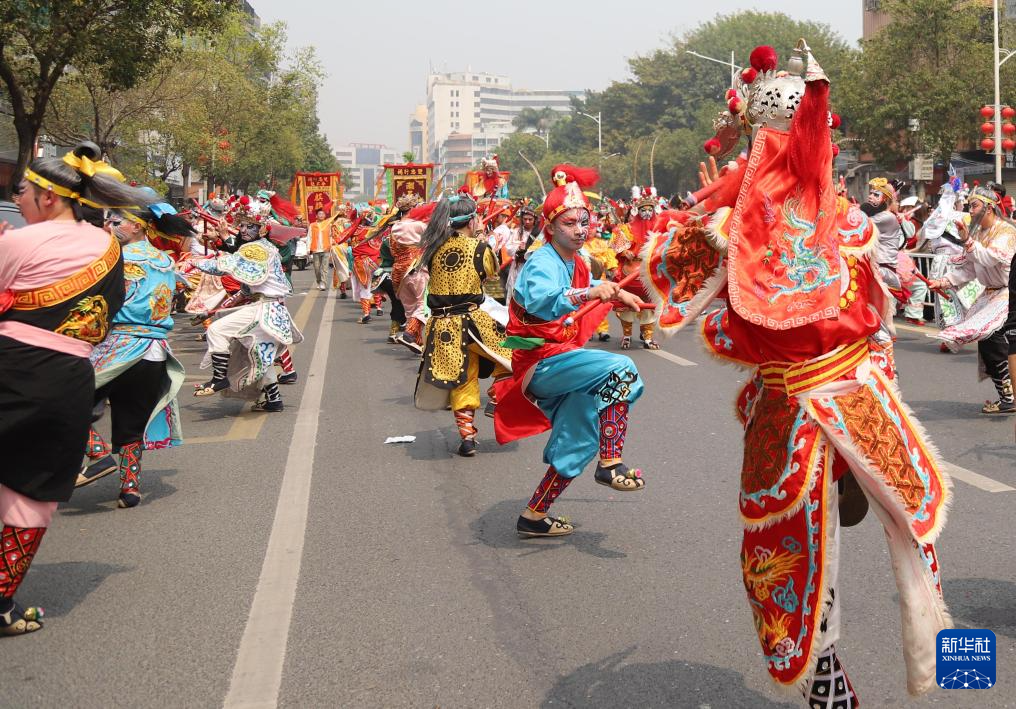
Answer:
[(232, 105), (672, 98), (932, 63), (116, 42)]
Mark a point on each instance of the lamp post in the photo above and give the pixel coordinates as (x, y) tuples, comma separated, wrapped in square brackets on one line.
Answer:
[(599, 129), (734, 68), (998, 62)]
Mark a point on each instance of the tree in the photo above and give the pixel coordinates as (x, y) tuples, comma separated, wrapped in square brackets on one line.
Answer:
[(933, 62), (119, 40), (671, 99)]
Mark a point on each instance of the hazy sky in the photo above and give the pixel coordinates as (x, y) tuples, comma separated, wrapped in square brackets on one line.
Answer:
[(378, 52)]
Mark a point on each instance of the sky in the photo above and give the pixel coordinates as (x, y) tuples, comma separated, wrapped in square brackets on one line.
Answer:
[(377, 53)]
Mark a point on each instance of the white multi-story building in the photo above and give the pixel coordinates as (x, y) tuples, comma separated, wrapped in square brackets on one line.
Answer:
[(478, 108), (363, 163)]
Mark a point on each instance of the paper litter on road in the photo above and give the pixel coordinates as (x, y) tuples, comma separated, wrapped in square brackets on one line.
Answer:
[(400, 439)]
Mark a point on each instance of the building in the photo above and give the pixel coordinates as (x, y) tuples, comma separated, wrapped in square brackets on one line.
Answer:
[(479, 109), (875, 18), (418, 133), (363, 163)]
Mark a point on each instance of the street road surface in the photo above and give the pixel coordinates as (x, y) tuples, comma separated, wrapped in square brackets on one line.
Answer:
[(413, 589)]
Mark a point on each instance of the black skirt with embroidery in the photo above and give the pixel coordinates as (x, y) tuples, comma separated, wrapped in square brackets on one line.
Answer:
[(46, 402)]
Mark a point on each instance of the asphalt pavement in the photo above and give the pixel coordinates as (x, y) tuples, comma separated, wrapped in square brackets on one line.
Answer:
[(395, 578)]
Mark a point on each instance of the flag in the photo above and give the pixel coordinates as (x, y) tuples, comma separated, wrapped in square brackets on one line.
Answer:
[(311, 191), (410, 178)]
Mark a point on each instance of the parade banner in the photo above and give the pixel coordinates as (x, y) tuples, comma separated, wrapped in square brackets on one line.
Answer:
[(312, 191), (410, 178)]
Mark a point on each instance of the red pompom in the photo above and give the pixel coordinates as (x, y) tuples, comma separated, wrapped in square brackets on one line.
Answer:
[(836, 150), (834, 121), (245, 200), (712, 146), (735, 105), (763, 58), (731, 93), (586, 177), (749, 75)]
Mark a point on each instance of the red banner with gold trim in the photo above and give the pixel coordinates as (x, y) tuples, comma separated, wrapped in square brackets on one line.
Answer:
[(311, 191), (410, 178)]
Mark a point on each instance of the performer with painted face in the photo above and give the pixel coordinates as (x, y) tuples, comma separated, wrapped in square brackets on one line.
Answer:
[(804, 306), (582, 396), (244, 344), (989, 246), (61, 284), (135, 369), (881, 207), (462, 343), (627, 242)]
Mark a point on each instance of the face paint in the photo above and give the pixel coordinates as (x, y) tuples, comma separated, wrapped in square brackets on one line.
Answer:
[(646, 213)]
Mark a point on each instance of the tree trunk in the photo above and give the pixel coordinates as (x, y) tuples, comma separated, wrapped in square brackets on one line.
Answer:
[(27, 130)]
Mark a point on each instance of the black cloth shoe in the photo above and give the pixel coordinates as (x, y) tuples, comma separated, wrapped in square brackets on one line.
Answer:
[(467, 449), (546, 527), (619, 477), (271, 407), (364, 320), (603, 337), (93, 471), (489, 409), (128, 499), (288, 378)]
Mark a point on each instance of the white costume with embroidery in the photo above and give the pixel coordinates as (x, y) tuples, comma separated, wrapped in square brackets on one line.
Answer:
[(256, 333)]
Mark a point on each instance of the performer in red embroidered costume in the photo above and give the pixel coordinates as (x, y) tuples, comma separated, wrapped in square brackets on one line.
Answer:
[(804, 307)]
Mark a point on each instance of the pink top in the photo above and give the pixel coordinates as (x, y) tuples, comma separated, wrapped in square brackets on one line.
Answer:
[(40, 254)]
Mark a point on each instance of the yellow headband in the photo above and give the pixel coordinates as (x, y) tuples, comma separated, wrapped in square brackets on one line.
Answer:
[(881, 184), (45, 184)]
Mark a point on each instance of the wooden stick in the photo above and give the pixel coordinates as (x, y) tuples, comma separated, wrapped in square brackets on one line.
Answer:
[(933, 290), (593, 304)]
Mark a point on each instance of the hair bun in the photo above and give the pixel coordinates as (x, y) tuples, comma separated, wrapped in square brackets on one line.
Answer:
[(87, 149)]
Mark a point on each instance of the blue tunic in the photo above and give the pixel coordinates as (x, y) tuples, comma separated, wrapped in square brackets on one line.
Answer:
[(142, 323), (571, 388)]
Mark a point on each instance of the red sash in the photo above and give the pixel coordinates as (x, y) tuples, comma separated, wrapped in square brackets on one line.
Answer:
[(516, 415)]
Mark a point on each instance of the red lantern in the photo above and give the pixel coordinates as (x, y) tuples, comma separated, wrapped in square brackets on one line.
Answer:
[(1008, 128), (987, 145), (1008, 112), (224, 145), (1008, 145), (987, 128), (987, 111)]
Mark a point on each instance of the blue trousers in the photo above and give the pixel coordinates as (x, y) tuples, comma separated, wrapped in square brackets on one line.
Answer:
[(571, 389)]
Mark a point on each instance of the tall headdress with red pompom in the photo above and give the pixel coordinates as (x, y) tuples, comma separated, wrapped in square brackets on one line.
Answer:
[(569, 183)]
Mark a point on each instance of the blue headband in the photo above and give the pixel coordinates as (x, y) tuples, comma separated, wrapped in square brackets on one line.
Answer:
[(161, 208)]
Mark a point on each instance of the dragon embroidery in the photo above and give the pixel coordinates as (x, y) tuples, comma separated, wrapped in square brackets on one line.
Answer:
[(807, 270)]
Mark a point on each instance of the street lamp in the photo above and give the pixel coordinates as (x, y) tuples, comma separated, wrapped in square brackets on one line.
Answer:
[(998, 101), (599, 129), (734, 68)]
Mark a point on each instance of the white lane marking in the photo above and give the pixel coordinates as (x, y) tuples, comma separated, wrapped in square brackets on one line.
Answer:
[(673, 358), (257, 674), (979, 481), (976, 479)]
